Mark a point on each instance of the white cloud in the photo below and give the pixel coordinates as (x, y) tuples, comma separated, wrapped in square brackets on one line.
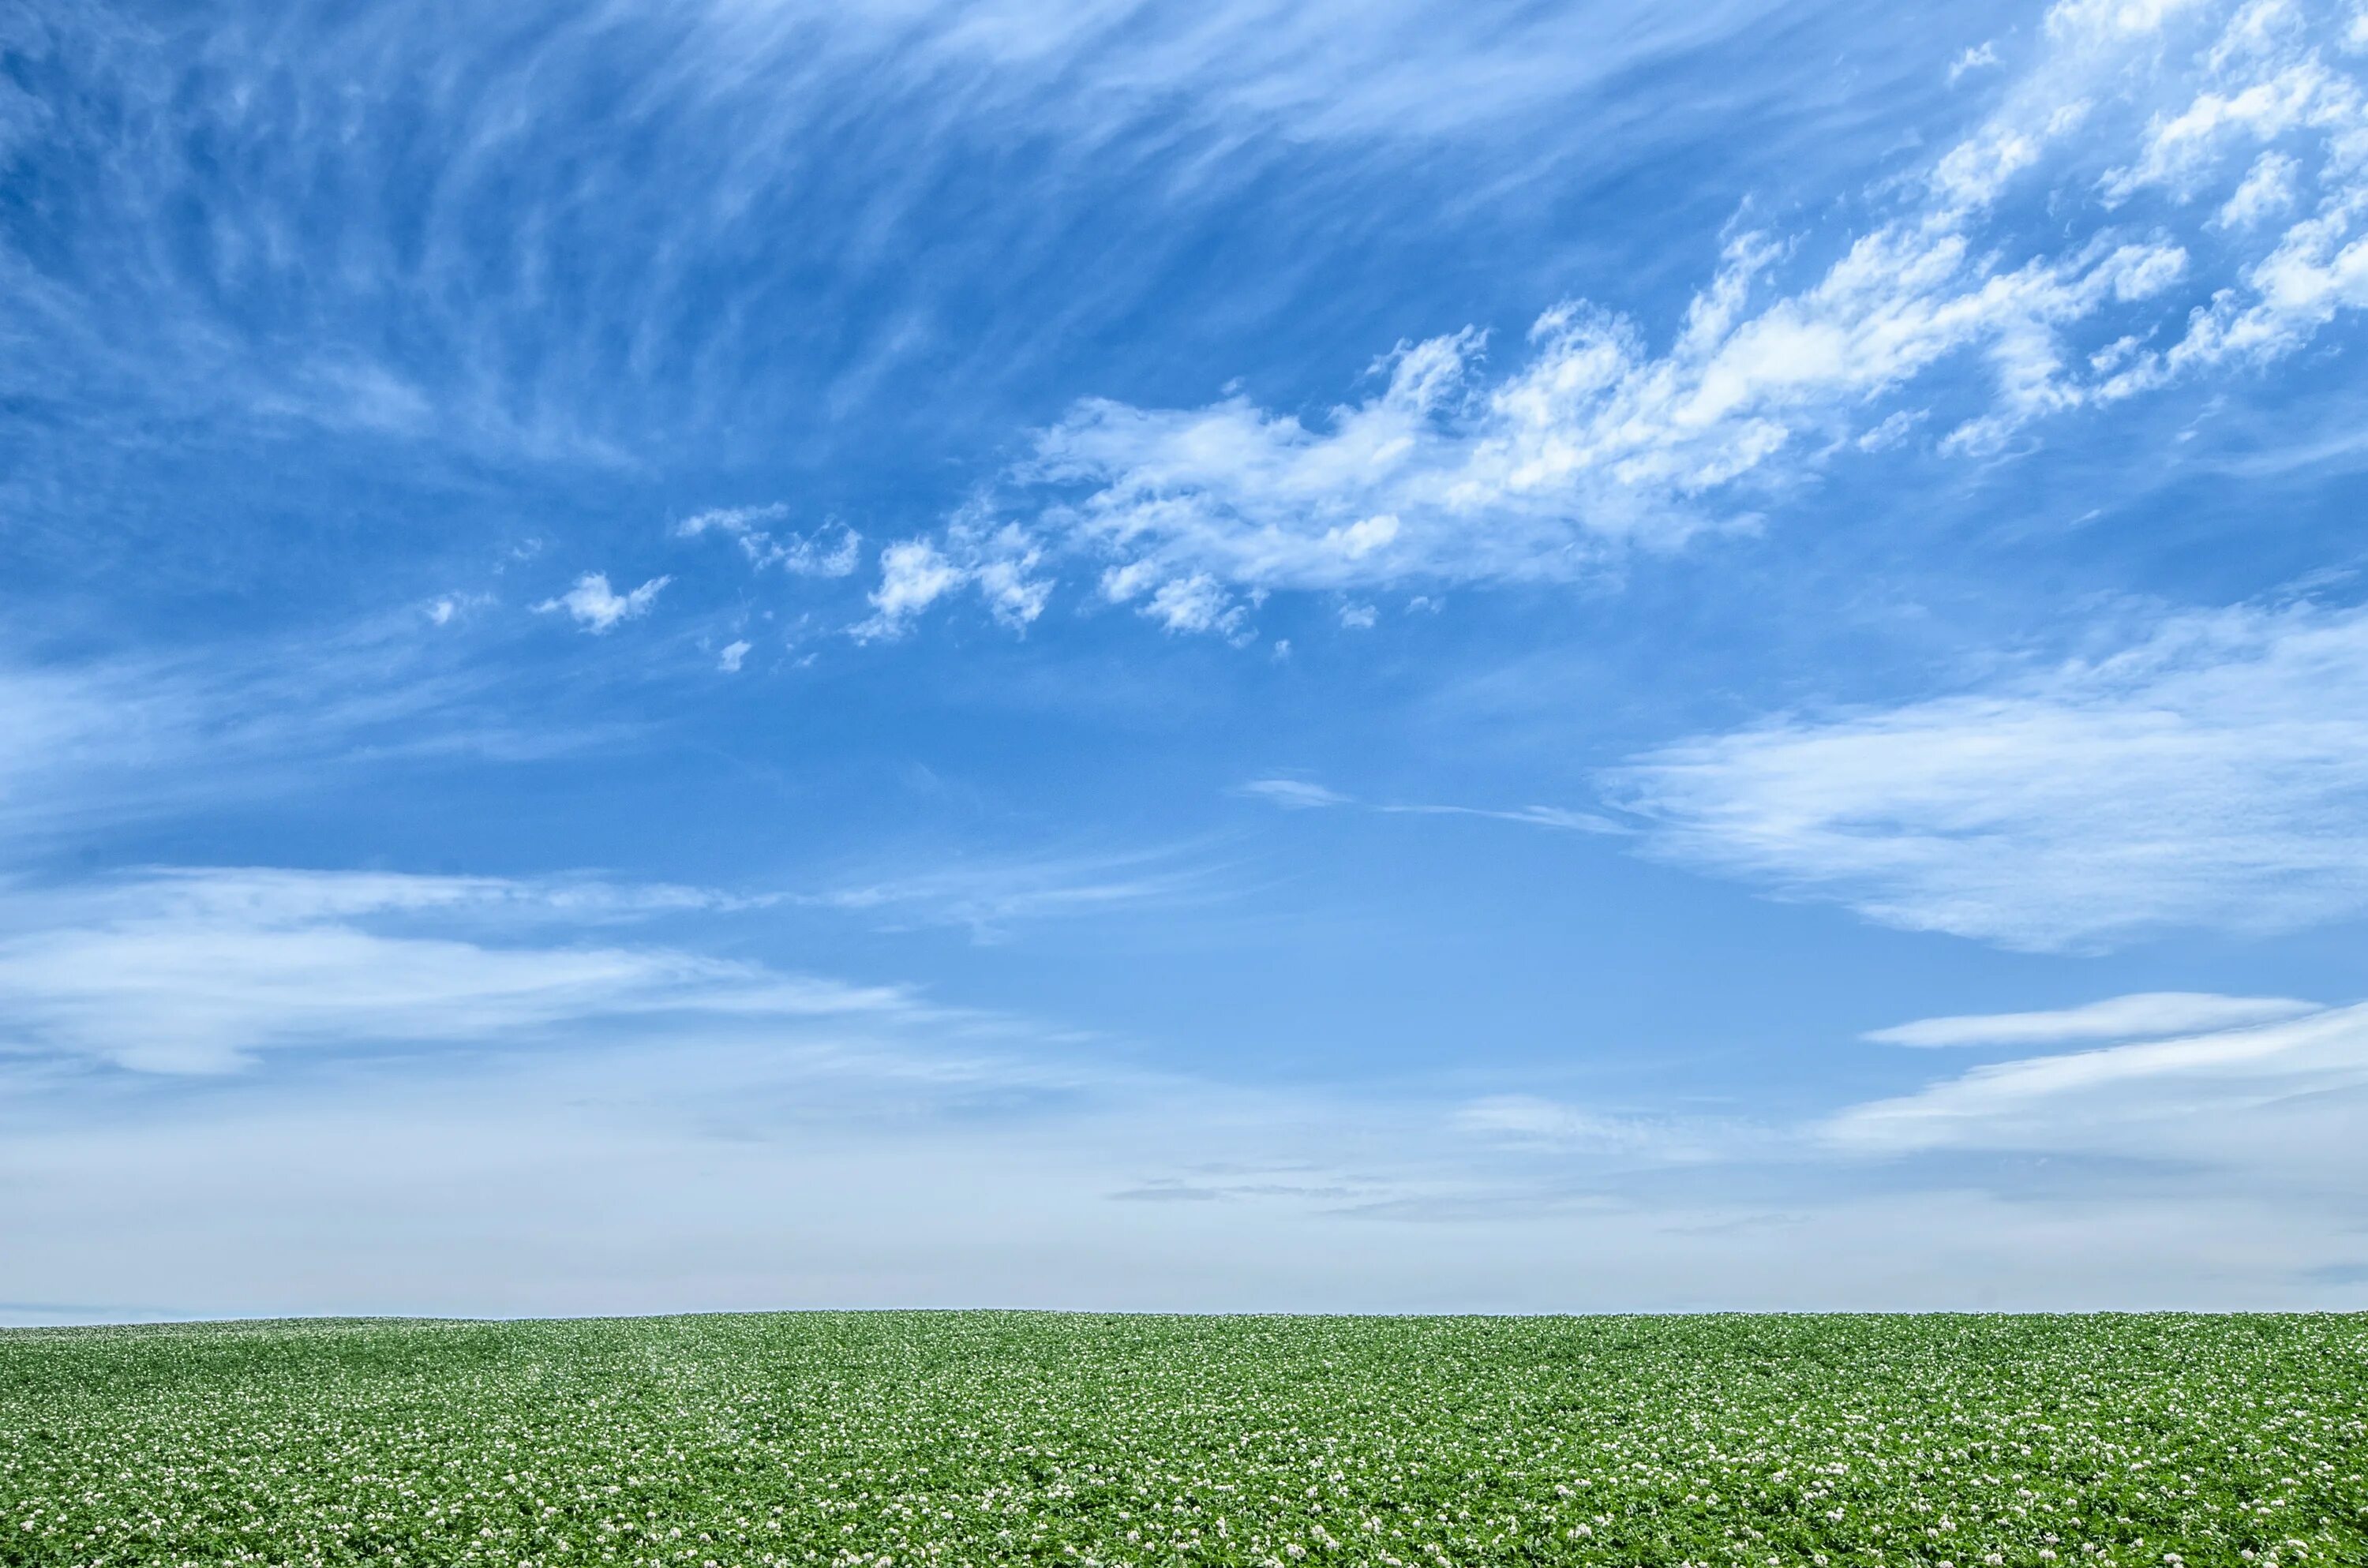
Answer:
[(988, 896), (1539, 1122), (446, 609), (200, 971), (1116, 93), (896, 1153), (2213, 773), (739, 521), (914, 575), (1377, 69), (597, 608), (2155, 1013), (2268, 189), (1895, 427), (1596, 440), (1301, 795), (2267, 79), (1558, 817), (729, 660), (1358, 616), (1195, 603), (835, 550), (88, 745), (2281, 1097), (1294, 794), (998, 564), (1978, 57)]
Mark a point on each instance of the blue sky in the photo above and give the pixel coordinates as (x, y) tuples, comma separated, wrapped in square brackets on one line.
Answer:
[(1388, 657)]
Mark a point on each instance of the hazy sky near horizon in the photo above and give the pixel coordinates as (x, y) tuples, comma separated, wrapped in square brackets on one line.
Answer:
[(1380, 656)]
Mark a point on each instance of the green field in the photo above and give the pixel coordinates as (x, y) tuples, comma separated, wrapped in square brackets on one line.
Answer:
[(912, 1438)]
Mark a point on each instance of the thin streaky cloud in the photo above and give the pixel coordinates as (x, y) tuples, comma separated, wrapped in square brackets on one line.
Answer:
[(2146, 1014), (2211, 773), (551, 307), (1557, 817), (1300, 794), (1294, 794), (203, 972), (990, 897), (2280, 1095), (91, 745)]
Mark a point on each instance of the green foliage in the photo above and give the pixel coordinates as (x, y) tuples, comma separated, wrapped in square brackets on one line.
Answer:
[(911, 1438)]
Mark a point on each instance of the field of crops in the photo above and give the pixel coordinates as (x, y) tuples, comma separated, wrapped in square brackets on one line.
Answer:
[(917, 1438)]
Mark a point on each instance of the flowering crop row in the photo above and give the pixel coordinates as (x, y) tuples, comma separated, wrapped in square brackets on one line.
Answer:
[(875, 1440)]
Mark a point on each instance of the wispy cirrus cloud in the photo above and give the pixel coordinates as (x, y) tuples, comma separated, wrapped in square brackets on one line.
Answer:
[(202, 971), (991, 896), (1537, 1124), (1560, 818), (2283, 1096), (1295, 794), (494, 280), (2151, 1014), (2212, 773), (1598, 442), (92, 742), (1300, 794), (686, 1087)]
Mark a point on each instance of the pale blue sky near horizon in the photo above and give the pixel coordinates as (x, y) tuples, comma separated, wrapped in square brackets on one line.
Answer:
[(1386, 657)]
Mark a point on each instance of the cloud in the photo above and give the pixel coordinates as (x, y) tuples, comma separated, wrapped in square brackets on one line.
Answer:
[(1192, 604), (1597, 441), (2213, 773), (1595, 444), (2281, 1097), (90, 744), (998, 564), (597, 302), (1977, 57), (1294, 794), (891, 1153), (2154, 1014), (914, 574), (730, 659), (834, 551), (597, 608), (989, 896), (2267, 78), (738, 521), (1558, 817), (1533, 1122), (2268, 189), (446, 609), (1391, 70), (202, 971)]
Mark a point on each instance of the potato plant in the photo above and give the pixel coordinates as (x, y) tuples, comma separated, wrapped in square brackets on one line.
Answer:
[(883, 1440)]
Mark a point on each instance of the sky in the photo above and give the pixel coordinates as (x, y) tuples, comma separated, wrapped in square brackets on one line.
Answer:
[(1401, 656)]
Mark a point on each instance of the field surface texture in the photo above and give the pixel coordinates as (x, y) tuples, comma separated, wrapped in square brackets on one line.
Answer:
[(912, 1438)]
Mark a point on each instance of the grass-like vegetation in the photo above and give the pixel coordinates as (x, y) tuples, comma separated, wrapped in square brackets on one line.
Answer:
[(906, 1439)]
